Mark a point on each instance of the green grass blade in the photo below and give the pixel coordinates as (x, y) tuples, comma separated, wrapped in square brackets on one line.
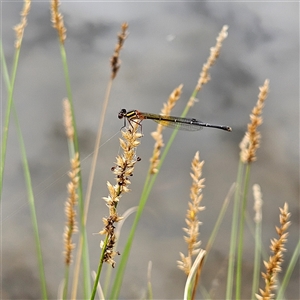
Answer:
[(27, 177), (94, 290), (241, 234), (66, 282), (219, 221), (10, 88), (189, 285), (234, 228), (257, 258), (289, 272), (32, 210)]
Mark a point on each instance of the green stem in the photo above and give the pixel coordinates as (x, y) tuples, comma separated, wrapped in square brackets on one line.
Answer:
[(66, 282), (25, 167), (10, 87), (218, 222), (32, 210), (99, 269), (289, 272), (257, 257), (234, 226), (241, 235)]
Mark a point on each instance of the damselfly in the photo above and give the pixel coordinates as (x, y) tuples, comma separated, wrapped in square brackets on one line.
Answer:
[(188, 124)]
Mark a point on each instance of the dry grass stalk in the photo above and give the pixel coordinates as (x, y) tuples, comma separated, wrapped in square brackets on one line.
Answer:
[(19, 28), (273, 266), (191, 220), (71, 225), (214, 54), (115, 60), (157, 135), (58, 21), (251, 140), (123, 170)]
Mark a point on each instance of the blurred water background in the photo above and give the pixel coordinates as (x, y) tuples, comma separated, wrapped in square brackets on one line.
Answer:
[(167, 45)]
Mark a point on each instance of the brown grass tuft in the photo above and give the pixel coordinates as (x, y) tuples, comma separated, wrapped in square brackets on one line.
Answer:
[(157, 135), (191, 220), (115, 60), (58, 21), (251, 140), (19, 29), (273, 266), (123, 170)]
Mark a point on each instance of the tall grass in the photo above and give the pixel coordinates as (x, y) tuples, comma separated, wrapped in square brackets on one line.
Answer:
[(78, 205)]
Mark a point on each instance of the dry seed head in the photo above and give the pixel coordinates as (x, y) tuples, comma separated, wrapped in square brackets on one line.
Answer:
[(123, 170), (192, 222), (58, 21), (273, 265), (19, 28), (70, 212), (115, 59), (157, 135), (251, 140), (185, 263), (214, 54)]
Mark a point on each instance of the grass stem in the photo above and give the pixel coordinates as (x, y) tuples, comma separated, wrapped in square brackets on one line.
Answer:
[(234, 230), (241, 234)]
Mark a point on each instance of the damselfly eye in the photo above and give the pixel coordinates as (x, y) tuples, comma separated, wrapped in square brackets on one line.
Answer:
[(122, 113)]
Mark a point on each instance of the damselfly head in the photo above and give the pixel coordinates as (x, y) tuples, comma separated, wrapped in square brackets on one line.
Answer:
[(122, 113)]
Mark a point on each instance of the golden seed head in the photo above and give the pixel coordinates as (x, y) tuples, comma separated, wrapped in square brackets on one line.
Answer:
[(214, 54), (192, 222), (58, 21), (251, 140), (123, 169), (70, 212), (157, 135), (19, 28), (273, 265)]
